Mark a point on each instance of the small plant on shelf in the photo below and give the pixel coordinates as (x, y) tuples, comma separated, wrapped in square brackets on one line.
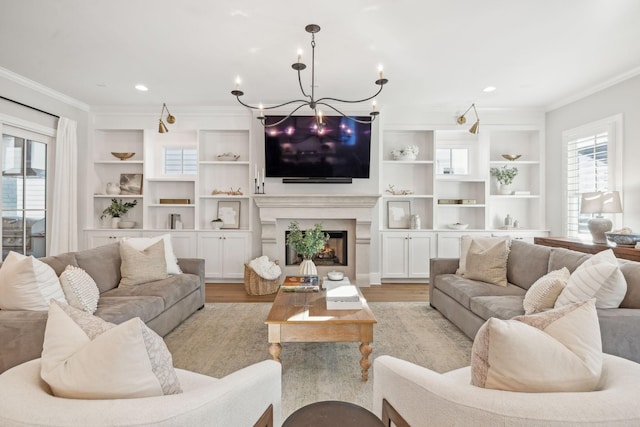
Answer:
[(217, 223), (117, 208), (505, 175), (307, 243)]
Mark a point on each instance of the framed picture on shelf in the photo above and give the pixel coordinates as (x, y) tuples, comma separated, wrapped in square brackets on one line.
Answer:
[(399, 214), (131, 183), (229, 213)]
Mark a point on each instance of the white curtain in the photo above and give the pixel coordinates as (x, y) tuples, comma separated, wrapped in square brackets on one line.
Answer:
[(64, 212)]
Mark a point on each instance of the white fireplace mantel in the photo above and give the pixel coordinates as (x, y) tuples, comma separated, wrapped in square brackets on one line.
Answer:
[(348, 207)]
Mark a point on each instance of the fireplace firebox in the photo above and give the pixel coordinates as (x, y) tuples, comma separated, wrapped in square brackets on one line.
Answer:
[(334, 252)]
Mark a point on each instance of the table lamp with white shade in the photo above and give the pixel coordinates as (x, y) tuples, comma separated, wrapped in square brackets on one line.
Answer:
[(600, 202)]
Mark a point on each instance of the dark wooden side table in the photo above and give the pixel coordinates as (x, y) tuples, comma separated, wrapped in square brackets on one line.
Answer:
[(624, 252), (332, 413)]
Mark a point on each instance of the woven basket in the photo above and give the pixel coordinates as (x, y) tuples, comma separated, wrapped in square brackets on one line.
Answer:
[(256, 285)]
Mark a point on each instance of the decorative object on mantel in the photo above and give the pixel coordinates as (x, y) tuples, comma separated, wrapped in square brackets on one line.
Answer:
[(391, 190), (475, 128), (217, 223), (113, 189), (410, 152), (126, 224), (505, 176), (512, 157), (228, 157), (307, 244), (116, 210), (312, 102), (122, 156), (170, 119), (231, 192), (599, 202)]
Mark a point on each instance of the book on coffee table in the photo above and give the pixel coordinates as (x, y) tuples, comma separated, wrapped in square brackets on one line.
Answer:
[(301, 284)]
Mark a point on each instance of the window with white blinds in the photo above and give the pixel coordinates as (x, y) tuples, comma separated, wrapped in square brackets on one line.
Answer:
[(180, 161), (590, 165), (587, 170)]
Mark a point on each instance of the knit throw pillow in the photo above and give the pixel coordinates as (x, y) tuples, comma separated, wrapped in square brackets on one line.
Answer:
[(80, 289), (543, 293)]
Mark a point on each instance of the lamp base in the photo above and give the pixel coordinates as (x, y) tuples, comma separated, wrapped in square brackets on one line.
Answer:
[(598, 226)]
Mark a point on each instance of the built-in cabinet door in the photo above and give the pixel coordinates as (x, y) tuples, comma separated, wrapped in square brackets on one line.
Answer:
[(421, 247), (395, 248), (235, 255), (406, 254), (101, 238), (224, 254)]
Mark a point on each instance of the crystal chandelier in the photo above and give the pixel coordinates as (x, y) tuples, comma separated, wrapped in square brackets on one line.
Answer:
[(311, 100)]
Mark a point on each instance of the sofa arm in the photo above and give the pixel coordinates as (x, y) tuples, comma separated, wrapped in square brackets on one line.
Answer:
[(194, 266), (439, 266)]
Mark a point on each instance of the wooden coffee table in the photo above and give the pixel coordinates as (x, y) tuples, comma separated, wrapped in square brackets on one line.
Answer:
[(303, 317)]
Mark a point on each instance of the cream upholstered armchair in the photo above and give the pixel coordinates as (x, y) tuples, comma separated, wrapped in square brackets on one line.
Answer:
[(411, 395), (248, 397)]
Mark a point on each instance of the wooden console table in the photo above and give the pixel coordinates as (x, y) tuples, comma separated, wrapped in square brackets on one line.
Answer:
[(624, 252)]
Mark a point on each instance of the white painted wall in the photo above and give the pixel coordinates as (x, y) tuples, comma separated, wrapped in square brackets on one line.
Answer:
[(622, 98)]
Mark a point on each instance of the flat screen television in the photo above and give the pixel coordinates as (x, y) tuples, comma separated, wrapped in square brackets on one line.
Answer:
[(296, 148)]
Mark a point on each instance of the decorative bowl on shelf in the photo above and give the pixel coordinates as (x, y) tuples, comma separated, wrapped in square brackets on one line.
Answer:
[(122, 156), (512, 157), (458, 226), (126, 224), (622, 238), (335, 275)]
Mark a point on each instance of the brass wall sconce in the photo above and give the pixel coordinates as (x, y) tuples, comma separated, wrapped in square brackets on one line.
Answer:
[(170, 119), (475, 128)]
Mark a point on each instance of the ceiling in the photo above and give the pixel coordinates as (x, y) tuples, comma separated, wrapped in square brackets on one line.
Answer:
[(538, 53)]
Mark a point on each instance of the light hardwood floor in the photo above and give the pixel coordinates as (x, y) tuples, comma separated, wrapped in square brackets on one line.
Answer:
[(388, 292)]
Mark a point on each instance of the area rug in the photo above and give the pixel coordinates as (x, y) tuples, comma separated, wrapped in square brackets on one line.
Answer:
[(225, 337)]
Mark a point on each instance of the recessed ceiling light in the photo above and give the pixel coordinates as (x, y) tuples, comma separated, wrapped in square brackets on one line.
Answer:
[(489, 89), (142, 88)]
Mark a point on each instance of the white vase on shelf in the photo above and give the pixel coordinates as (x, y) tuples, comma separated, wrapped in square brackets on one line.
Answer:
[(114, 221), (505, 189), (113, 189)]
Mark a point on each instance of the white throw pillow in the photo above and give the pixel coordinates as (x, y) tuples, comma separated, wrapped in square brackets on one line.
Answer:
[(26, 283), (483, 242), (84, 357), (142, 243), (598, 277), (542, 295), (80, 289), (558, 350)]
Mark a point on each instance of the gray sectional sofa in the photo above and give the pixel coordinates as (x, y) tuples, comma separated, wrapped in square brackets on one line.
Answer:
[(162, 304), (469, 303)]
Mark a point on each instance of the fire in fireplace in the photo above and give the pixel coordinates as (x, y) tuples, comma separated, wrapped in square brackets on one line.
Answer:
[(333, 253)]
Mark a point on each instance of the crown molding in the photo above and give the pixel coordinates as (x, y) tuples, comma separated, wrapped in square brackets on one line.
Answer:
[(597, 88), (44, 90)]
